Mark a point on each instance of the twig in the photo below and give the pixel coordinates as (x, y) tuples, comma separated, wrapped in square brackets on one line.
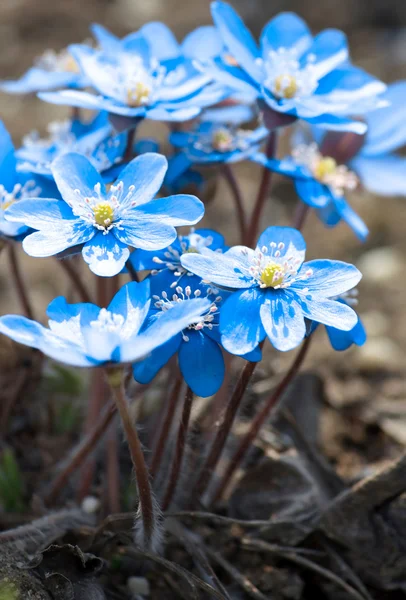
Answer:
[(247, 585), (253, 544), (179, 449)]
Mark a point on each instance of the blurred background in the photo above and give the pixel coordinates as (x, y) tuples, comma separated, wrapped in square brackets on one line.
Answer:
[(371, 378)]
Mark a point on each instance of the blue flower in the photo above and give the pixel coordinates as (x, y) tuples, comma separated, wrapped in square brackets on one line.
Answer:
[(104, 223), (166, 262), (132, 82), (95, 140), (293, 73), (85, 335), (197, 346), (15, 186), (275, 290), (52, 70), (321, 180)]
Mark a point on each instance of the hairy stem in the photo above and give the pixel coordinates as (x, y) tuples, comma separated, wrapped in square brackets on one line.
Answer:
[(260, 419), (166, 427), (179, 449), (75, 278), (19, 281), (148, 512), (237, 197), (262, 193), (85, 447), (223, 431)]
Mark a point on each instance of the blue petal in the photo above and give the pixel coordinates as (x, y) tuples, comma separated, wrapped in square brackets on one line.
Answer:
[(145, 233), (195, 239), (288, 241), (326, 311), (132, 302), (145, 370), (231, 271), (286, 30), (77, 180), (7, 159), (106, 40), (32, 334), (232, 77), (178, 164), (313, 193), (181, 209), (349, 215), (384, 175), (335, 123), (349, 84), (143, 260), (163, 329), (144, 175), (387, 126), (100, 344), (36, 80), (40, 213), (163, 114), (93, 64), (61, 312), (240, 324), (105, 255), (92, 102), (328, 51), (201, 363), (163, 43), (41, 244), (135, 43), (237, 38), (282, 318), (342, 340), (202, 43), (329, 278)]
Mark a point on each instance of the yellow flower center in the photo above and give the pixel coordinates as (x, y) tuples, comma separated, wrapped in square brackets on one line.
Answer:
[(7, 204), (272, 275), (103, 214), (192, 250), (138, 95), (230, 60), (222, 140), (325, 167), (285, 86), (70, 64)]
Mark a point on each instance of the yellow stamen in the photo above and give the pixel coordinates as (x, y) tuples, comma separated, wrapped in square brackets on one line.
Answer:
[(285, 86), (272, 275), (222, 140), (138, 95), (71, 65), (192, 250), (325, 167), (103, 214), (7, 204)]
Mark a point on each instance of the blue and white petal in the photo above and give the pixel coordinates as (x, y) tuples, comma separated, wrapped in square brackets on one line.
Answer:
[(201, 364), (105, 254), (240, 323)]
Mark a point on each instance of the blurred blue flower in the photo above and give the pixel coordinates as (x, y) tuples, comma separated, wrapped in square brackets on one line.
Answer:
[(15, 186), (51, 71), (104, 223), (166, 262), (197, 346), (85, 335), (293, 73), (95, 140), (275, 290), (133, 82)]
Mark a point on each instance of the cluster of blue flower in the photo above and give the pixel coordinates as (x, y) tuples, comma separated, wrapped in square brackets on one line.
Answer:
[(93, 188)]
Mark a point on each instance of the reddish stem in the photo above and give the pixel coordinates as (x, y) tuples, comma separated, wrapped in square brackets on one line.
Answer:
[(19, 281), (166, 427), (179, 449), (237, 197), (223, 431), (260, 419), (301, 213), (262, 193), (113, 470)]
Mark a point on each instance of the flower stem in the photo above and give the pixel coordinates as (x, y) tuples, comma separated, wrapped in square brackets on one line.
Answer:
[(260, 419), (80, 453), (147, 509), (301, 213), (131, 271), (238, 201), (19, 281), (166, 427), (223, 431), (113, 470), (75, 278), (179, 449), (262, 193), (128, 152)]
